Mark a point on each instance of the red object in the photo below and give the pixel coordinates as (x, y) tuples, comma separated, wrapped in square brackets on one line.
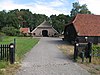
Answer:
[(24, 30), (87, 24)]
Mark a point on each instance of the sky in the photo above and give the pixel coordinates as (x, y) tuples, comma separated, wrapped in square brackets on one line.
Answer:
[(49, 7)]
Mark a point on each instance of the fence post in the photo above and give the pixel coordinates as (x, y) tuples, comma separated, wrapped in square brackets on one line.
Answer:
[(1, 52), (75, 51), (12, 53), (15, 41), (82, 55), (90, 51)]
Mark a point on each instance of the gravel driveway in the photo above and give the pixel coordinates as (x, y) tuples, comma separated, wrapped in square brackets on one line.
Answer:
[(46, 59)]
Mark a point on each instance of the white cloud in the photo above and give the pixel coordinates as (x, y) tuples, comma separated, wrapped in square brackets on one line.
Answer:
[(38, 7), (54, 7), (49, 8), (45, 10), (93, 5), (10, 5), (56, 3)]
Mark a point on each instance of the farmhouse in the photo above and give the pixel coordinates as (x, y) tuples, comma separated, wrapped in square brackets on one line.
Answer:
[(25, 31), (85, 27), (44, 29)]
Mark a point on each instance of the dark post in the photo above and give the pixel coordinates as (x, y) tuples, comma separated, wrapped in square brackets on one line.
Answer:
[(75, 51), (12, 53), (90, 50), (15, 41), (1, 52), (82, 55), (7, 52), (14, 47)]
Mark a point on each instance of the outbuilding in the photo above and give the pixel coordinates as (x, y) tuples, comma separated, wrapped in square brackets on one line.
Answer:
[(25, 31), (84, 27)]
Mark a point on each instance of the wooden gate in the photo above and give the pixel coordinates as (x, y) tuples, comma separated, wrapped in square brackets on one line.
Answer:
[(7, 52), (83, 50)]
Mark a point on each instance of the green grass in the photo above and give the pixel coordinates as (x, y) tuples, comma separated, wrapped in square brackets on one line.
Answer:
[(23, 45), (3, 64), (7, 40)]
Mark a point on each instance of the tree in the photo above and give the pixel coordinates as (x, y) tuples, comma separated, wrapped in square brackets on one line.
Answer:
[(12, 20), (84, 9), (58, 22), (37, 19), (77, 8), (2, 19), (27, 19)]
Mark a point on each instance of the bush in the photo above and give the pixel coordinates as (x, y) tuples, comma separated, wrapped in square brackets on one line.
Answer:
[(10, 31), (96, 50), (1, 36)]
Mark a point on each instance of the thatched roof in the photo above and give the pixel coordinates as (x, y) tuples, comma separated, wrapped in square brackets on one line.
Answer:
[(45, 24)]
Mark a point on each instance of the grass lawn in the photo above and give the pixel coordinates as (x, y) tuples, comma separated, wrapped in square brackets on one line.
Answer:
[(23, 45)]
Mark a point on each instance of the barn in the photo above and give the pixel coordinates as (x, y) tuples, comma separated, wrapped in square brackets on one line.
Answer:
[(84, 27), (44, 30)]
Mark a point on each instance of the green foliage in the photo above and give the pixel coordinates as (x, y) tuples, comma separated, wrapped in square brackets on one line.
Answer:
[(2, 19), (3, 64), (59, 21), (11, 31), (12, 20), (20, 18), (96, 47), (23, 45), (8, 40), (96, 50), (25, 18), (77, 8), (37, 19), (1, 36)]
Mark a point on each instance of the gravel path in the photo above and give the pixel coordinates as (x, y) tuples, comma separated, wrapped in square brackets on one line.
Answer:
[(46, 59)]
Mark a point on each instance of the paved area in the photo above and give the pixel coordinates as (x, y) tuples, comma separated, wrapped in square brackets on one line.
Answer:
[(46, 59)]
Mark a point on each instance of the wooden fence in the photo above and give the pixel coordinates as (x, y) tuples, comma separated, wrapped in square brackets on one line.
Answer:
[(4, 52), (83, 51), (7, 52)]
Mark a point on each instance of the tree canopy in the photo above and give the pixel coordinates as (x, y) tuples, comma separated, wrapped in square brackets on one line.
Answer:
[(77, 8), (59, 21), (20, 18)]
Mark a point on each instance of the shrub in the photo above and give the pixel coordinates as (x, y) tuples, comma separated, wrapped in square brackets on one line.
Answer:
[(1, 36), (96, 50), (11, 31)]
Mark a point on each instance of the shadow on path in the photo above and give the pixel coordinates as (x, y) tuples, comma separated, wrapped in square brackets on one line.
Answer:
[(67, 47), (59, 41)]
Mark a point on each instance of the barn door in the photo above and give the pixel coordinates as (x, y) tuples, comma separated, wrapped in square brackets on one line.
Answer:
[(45, 33)]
